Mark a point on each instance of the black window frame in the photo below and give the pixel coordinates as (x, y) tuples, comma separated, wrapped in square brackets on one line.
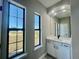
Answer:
[(38, 30), (15, 29)]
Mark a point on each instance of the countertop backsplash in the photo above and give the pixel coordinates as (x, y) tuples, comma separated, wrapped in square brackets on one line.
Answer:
[(61, 39)]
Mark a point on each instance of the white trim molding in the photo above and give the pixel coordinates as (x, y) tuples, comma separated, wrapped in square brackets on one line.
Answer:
[(38, 47), (41, 45), (20, 56), (16, 3)]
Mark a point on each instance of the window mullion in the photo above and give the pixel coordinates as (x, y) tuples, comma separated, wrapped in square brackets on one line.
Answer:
[(17, 31), (37, 29), (14, 29), (16, 42)]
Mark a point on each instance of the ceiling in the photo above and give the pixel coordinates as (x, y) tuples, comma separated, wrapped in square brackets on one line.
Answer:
[(61, 11), (48, 3)]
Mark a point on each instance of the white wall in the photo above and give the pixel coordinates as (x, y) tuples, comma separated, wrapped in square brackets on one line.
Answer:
[(4, 29), (52, 25), (75, 28), (34, 6)]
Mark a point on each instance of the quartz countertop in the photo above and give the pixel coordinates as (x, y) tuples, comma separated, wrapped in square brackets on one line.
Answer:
[(61, 39)]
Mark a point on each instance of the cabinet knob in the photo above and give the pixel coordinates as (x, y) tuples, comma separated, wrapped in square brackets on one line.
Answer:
[(65, 45), (56, 47)]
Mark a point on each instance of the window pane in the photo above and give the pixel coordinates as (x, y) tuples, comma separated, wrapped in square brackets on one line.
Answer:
[(12, 36), (12, 53), (20, 13), (37, 22), (13, 10), (20, 23), (15, 43), (19, 45), (20, 50), (12, 22), (12, 47), (36, 38), (20, 36)]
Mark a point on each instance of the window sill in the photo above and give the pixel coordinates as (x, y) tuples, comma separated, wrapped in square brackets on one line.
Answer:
[(20, 56), (37, 47)]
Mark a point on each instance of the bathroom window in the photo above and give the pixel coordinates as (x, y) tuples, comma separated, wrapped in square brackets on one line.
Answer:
[(37, 30), (16, 30)]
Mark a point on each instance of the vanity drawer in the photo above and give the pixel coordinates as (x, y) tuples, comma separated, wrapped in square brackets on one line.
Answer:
[(57, 43)]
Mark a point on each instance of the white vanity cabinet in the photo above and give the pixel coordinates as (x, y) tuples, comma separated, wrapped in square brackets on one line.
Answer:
[(51, 48), (59, 50), (64, 51)]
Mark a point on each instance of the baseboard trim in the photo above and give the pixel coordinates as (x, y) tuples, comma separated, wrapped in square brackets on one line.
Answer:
[(43, 56)]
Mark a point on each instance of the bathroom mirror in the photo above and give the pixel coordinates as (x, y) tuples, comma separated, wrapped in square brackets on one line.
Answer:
[(62, 21), (63, 27)]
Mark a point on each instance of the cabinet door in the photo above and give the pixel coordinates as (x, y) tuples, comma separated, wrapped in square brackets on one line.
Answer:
[(60, 52), (50, 49), (63, 52), (67, 52)]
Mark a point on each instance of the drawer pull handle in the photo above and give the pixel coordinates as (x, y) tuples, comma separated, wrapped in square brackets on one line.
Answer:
[(65, 45)]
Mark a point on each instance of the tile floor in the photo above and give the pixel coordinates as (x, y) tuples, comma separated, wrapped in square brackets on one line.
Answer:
[(48, 57)]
